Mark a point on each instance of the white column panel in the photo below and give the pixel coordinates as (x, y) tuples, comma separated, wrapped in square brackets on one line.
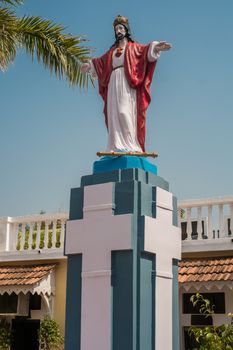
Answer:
[(163, 312), (96, 311)]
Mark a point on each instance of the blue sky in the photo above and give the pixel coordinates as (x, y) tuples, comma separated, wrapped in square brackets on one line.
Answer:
[(51, 132)]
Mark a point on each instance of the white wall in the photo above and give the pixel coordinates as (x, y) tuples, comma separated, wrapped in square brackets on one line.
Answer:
[(218, 319)]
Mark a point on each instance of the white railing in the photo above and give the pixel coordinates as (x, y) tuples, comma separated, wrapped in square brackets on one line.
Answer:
[(198, 219), (206, 218), (35, 232)]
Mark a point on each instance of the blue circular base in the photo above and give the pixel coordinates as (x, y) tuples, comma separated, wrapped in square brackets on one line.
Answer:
[(107, 164)]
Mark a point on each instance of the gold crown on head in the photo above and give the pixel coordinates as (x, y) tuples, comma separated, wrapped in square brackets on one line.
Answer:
[(120, 20)]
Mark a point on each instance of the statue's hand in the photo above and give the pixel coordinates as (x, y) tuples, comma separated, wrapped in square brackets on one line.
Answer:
[(86, 67), (163, 46)]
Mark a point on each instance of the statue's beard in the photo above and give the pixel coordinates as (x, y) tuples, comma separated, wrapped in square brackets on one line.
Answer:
[(120, 37)]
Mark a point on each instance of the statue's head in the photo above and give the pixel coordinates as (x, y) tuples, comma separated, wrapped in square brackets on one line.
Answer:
[(122, 28)]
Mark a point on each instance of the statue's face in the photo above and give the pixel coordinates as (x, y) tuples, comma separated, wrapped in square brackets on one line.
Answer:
[(120, 31)]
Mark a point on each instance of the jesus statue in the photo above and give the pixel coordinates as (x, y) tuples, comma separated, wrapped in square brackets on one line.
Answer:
[(124, 75)]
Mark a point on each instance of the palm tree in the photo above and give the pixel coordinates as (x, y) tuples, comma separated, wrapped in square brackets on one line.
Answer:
[(63, 54)]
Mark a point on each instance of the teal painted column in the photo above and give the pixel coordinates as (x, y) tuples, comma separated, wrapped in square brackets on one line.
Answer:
[(123, 301), (147, 302), (73, 302)]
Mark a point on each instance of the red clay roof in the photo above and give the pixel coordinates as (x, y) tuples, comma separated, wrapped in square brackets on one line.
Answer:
[(23, 275), (206, 270)]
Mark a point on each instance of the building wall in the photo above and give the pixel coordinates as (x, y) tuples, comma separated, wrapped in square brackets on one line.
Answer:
[(60, 288), (60, 297), (218, 319)]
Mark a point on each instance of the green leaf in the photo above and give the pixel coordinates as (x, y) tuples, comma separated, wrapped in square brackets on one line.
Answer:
[(228, 347), (209, 336), (11, 2)]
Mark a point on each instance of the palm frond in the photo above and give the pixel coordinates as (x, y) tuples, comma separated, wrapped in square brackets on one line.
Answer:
[(63, 54), (11, 2), (8, 38)]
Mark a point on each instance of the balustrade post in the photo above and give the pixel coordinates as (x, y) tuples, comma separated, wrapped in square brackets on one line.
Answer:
[(231, 218), (46, 235), (23, 238), (189, 224), (8, 232), (62, 234), (199, 223), (54, 237), (38, 235), (5, 230), (13, 236), (221, 224), (210, 223), (30, 237)]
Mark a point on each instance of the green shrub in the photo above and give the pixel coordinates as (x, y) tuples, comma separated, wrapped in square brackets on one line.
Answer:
[(49, 335), (5, 334), (211, 337)]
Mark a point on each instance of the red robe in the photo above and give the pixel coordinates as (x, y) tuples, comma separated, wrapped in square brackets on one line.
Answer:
[(139, 73)]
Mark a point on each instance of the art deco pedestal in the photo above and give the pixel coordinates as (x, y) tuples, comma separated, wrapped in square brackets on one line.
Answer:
[(123, 246)]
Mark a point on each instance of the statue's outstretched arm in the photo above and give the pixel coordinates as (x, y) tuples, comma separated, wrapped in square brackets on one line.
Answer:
[(155, 49), (88, 67), (163, 46)]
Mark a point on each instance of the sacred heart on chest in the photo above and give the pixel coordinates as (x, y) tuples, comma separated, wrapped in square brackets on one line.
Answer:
[(119, 51)]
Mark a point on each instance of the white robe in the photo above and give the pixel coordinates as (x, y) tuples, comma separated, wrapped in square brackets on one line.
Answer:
[(122, 106)]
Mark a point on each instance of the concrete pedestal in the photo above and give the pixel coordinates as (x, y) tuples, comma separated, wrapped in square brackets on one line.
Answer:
[(123, 246)]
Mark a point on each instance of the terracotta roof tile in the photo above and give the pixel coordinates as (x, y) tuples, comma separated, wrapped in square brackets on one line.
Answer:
[(24, 275), (206, 269)]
